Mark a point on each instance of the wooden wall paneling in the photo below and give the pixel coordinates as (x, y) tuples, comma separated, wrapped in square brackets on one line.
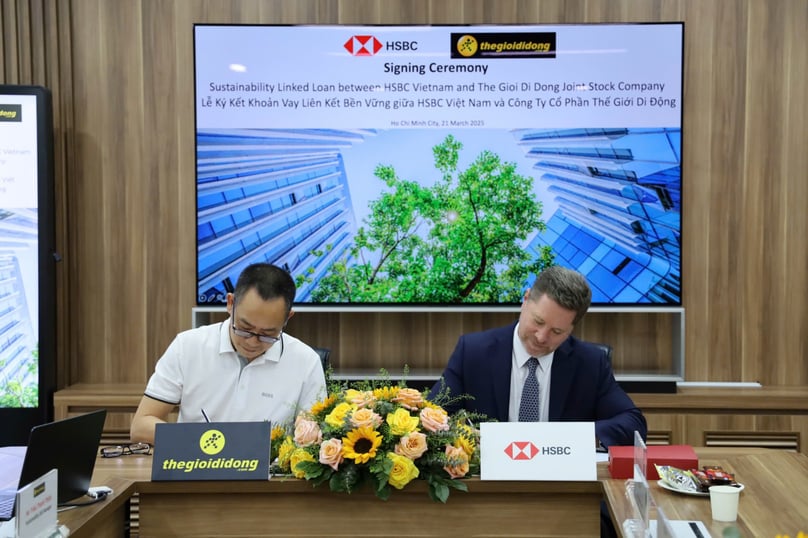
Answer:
[(795, 171), (763, 227), (642, 342), (733, 428), (713, 118), (780, 163), (112, 209), (364, 11), (57, 36), (170, 202), (11, 42), (665, 428)]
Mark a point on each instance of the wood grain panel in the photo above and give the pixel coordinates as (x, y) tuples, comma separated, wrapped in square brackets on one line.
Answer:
[(122, 77)]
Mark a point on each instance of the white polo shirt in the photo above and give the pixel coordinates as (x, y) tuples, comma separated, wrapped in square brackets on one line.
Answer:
[(200, 370)]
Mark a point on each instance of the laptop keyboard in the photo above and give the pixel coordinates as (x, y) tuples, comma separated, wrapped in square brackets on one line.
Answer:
[(7, 499)]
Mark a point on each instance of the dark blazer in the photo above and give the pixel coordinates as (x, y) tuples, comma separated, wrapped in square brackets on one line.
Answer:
[(582, 384)]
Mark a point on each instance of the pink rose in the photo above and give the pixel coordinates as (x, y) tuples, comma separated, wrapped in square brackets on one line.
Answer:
[(331, 453), (412, 445), (457, 462), (409, 399), (434, 419), (307, 432)]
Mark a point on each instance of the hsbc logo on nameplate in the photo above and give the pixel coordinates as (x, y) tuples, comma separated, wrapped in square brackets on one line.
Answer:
[(550, 451), (521, 450)]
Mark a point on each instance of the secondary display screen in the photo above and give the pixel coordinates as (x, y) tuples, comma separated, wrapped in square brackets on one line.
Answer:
[(19, 251)]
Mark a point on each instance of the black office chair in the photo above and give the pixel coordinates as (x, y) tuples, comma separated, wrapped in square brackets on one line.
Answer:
[(324, 354), (607, 348)]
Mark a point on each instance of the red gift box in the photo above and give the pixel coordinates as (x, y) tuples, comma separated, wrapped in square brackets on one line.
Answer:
[(621, 459)]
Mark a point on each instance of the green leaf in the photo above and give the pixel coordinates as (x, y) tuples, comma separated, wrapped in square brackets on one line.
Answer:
[(438, 491)]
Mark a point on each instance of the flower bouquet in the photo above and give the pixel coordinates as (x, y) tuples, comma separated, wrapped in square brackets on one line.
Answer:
[(386, 436)]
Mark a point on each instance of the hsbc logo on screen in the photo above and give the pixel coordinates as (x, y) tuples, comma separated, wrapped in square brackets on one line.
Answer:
[(368, 45), (525, 450)]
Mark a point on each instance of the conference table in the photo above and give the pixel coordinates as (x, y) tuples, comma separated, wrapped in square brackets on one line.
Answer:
[(774, 501)]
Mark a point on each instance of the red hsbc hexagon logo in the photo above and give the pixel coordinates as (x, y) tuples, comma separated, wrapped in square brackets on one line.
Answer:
[(363, 45), (521, 450)]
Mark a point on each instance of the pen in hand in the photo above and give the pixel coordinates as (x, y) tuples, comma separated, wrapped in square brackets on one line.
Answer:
[(205, 415)]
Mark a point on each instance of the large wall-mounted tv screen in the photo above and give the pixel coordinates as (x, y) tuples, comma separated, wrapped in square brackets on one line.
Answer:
[(27, 265), (435, 166)]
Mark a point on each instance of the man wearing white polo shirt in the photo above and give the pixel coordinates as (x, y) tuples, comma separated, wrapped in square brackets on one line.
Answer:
[(242, 369)]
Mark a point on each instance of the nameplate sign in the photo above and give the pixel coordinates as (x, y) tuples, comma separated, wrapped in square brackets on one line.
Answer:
[(211, 451), (552, 451), (36, 506)]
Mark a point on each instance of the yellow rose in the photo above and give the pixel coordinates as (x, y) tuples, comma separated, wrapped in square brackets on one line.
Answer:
[(284, 453), (359, 398), (401, 422), (404, 470), (298, 456), (336, 418)]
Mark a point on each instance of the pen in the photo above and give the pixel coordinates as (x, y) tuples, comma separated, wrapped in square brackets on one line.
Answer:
[(205, 415)]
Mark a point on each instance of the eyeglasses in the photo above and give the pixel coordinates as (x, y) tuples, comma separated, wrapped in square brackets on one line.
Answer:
[(266, 339), (125, 450)]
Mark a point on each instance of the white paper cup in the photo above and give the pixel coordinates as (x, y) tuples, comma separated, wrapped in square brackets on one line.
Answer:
[(724, 502)]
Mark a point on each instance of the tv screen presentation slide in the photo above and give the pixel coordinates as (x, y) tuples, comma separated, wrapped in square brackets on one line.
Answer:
[(435, 166), (19, 248)]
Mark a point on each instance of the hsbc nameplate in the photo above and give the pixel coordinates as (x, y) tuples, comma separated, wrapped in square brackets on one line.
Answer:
[(537, 451)]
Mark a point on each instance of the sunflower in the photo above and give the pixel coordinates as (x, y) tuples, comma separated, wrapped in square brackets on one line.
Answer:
[(278, 432), (360, 444), (321, 406), (386, 393)]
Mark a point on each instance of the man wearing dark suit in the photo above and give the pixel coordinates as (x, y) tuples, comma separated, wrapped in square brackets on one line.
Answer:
[(492, 366)]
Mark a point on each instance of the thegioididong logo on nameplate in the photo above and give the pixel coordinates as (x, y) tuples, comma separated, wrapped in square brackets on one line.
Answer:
[(211, 451)]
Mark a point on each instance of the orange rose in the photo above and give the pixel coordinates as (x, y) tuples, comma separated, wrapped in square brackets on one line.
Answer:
[(410, 399), (365, 417), (412, 445), (307, 432), (331, 453), (457, 462), (434, 419)]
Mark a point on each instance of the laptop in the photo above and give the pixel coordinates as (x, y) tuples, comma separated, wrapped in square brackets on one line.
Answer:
[(70, 446)]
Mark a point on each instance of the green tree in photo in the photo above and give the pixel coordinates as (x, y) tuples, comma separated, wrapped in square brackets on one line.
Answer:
[(13, 393), (457, 241)]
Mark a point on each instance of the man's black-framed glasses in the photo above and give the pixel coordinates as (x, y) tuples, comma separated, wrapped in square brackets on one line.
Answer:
[(266, 339), (125, 450)]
